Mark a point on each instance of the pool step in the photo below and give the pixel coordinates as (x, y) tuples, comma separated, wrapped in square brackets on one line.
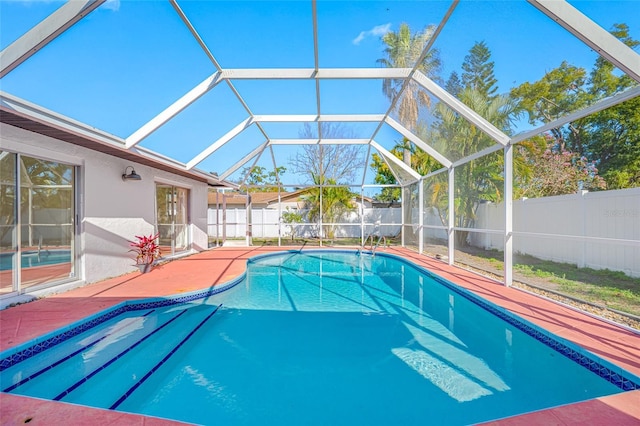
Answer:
[(161, 362), (129, 351), (92, 345), (122, 375), (82, 353)]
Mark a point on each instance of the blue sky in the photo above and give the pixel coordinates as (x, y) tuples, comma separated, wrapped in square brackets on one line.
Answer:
[(129, 60)]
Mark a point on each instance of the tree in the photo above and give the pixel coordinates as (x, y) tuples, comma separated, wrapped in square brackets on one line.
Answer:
[(266, 181), (328, 202), (479, 180), (553, 171), (609, 139), (453, 84), (613, 137), (341, 162), (403, 50), (614, 144), (291, 217), (604, 82), (556, 94), (478, 71)]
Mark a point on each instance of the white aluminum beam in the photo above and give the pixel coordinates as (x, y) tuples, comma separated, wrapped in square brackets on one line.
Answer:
[(590, 33), (275, 169), (390, 157), (352, 117), (195, 34), (311, 73), (598, 106), (294, 141), (419, 142), (508, 215), (246, 175), (481, 153), (492, 131), (302, 118), (451, 222), (213, 60), (325, 141), (316, 62), (437, 172), (46, 31), (364, 173), (243, 161), (298, 118), (318, 141), (219, 143), (179, 105)]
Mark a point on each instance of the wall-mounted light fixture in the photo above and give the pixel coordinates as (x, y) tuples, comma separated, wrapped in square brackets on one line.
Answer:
[(131, 176)]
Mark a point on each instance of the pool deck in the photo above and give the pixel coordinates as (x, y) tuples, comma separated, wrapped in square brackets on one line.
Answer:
[(25, 322)]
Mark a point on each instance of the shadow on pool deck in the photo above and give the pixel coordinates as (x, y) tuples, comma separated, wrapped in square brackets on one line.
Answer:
[(22, 323)]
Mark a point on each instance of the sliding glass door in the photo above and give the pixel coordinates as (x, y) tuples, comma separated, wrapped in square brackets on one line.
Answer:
[(37, 227), (172, 218), (8, 223)]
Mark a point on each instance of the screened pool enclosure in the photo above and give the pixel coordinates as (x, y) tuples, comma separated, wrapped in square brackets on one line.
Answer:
[(361, 123)]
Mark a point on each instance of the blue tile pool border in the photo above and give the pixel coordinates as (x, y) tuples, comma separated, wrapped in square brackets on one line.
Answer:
[(603, 368), (610, 372), (20, 353)]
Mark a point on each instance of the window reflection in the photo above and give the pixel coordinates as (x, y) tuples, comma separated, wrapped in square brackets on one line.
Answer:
[(42, 232), (172, 221)]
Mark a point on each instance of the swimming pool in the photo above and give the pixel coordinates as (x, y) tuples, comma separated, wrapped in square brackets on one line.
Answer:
[(32, 258), (314, 337)]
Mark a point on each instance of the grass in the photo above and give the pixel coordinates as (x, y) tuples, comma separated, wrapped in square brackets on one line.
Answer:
[(606, 288), (612, 289)]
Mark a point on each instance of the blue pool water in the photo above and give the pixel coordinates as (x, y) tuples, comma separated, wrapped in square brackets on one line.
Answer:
[(315, 338), (33, 258)]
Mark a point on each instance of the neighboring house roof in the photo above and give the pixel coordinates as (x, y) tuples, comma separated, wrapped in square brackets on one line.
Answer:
[(385, 204), (258, 199), (264, 199)]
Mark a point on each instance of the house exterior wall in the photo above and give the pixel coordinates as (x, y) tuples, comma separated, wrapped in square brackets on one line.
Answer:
[(111, 211)]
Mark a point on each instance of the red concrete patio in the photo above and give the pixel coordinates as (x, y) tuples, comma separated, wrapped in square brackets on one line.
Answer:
[(25, 322)]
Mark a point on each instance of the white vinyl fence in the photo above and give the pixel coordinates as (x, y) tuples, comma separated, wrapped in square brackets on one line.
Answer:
[(266, 224), (599, 230)]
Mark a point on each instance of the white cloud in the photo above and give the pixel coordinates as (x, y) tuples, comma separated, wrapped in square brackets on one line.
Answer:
[(378, 30)]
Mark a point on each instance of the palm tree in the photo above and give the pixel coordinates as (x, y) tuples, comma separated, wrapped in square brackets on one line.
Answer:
[(403, 51), (481, 179), (336, 201)]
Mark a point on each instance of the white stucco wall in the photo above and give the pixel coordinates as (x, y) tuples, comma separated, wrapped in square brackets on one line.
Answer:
[(111, 210)]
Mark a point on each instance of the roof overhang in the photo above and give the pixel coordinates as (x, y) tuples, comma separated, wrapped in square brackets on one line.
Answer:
[(19, 113)]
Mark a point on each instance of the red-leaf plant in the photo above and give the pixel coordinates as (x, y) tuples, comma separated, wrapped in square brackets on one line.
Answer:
[(146, 249)]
